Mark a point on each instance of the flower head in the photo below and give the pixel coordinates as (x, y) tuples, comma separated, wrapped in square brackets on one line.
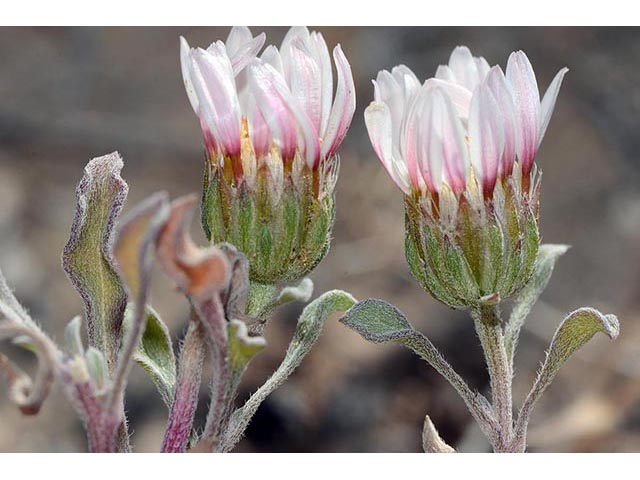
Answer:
[(462, 147), (271, 125)]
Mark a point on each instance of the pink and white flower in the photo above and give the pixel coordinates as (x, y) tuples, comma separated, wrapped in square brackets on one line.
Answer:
[(277, 107), (471, 123)]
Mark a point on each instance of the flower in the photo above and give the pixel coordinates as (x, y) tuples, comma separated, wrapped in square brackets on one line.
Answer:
[(462, 148), (271, 125)]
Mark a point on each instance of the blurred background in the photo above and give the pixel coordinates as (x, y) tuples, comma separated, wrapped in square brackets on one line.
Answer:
[(67, 95)]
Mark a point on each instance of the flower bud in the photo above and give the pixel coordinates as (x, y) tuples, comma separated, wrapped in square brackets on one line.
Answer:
[(462, 148), (271, 127)]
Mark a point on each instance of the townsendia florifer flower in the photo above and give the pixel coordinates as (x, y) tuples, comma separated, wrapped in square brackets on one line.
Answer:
[(271, 127), (462, 148)]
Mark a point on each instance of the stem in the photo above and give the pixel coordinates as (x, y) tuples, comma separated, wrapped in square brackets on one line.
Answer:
[(213, 316), (489, 330), (185, 400)]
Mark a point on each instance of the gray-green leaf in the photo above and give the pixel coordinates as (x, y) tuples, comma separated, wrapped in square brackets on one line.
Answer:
[(548, 254), (307, 333), (242, 348), (574, 331), (378, 321), (87, 257), (155, 355)]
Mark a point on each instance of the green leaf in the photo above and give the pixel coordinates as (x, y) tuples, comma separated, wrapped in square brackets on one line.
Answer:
[(155, 355), (16, 324), (73, 337), (296, 293), (548, 254), (307, 333), (574, 331), (87, 259), (378, 322), (242, 349)]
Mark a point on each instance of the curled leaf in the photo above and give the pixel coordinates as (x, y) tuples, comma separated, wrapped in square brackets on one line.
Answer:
[(242, 348), (29, 394), (307, 333), (574, 332), (198, 272), (87, 259), (548, 254)]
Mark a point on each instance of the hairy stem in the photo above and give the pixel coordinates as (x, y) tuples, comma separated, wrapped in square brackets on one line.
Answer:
[(489, 330), (185, 400), (214, 317)]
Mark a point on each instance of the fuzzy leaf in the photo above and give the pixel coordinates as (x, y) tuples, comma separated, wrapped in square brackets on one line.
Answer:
[(264, 299), (134, 249), (198, 272), (73, 336), (87, 258), (378, 322), (296, 293), (242, 348), (574, 332), (548, 254), (15, 323), (307, 333), (154, 354)]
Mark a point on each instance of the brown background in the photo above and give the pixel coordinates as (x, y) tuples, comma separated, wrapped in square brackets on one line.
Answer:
[(67, 95)]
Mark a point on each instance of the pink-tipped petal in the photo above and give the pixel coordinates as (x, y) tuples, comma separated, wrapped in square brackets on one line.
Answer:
[(486, 139), (305, 82), (212, 77), (344, 105), (258, 128), (496, 82), (377, 118), (282, 113), (549, 102), (448, 143), (412, 141), (185, 66), (526, 99)]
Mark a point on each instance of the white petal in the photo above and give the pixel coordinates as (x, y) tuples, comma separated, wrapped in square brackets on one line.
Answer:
[(497, 83), (238, 37), (445, 73), (486, 139), (377, 118), (324, 61), (460, 96), (549, 102), (212, 77), (464, 67), (185, 66), (305, 82), (526, 99), (344, 105), (272, 56), (282, 112), (448, 146)]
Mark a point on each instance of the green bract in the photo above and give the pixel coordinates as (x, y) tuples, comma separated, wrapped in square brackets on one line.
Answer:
[(282, 226), (482, 254)]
